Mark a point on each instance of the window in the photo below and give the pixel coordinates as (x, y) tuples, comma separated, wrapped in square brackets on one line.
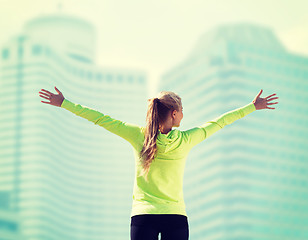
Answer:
[(234, 59), (5, 53), (36, 50), (99, 76), (10, 225), (120, 78), (216, 61), (141, 79), (109, 78), (20, 51), (48, 51), (4, 200), (90, 75), (81, 73)]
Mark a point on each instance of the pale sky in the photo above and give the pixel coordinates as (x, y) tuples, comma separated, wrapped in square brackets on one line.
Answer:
[(155, 35)]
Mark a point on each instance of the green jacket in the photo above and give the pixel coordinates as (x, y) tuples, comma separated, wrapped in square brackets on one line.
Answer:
[(162, 193)]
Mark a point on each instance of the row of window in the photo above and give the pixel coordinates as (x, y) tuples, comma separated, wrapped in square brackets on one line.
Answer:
[(260, 64), (264, 65), (109, 77), (6, 53), (279, 55), (279, 68), (113, 78)]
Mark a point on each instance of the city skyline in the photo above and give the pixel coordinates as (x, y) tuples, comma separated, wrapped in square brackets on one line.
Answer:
[(155, 35)]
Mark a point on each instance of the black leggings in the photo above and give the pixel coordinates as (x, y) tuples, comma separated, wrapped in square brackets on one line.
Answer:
[(148, 226)]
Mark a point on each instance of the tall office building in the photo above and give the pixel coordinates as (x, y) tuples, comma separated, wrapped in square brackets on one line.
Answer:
[(63, 176), (250, 179)]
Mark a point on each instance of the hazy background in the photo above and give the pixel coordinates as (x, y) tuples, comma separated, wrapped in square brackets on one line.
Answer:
[(155, 35), (65, 178)]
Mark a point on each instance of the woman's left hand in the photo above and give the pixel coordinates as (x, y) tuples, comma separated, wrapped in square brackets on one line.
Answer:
[(261, 103)]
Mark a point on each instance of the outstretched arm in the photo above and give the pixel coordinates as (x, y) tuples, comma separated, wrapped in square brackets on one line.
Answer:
[(198, 134), (129, 132)]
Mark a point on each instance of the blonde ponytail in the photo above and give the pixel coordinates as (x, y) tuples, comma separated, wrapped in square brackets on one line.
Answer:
[(157, 113)]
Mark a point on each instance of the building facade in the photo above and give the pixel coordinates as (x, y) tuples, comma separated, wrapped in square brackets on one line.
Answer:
[(251, 178), (63, 176)]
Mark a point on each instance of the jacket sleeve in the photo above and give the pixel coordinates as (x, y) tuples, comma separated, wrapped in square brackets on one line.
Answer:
[(198, 134), (129, 132)]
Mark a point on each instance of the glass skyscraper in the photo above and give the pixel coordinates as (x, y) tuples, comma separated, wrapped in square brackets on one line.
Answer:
[(250, 179), (61, 176)]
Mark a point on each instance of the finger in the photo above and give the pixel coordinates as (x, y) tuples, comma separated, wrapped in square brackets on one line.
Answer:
[(259, 93), (270, 108), (57, 89), (44, 97), (272, 103), (46, 91), (45, 94), (271, 95), (45, 102), (272, 99)]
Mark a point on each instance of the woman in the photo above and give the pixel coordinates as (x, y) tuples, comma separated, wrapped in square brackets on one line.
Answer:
[(160, 155)]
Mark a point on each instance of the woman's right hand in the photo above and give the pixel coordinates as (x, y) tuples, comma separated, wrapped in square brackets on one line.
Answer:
[(55, 99), (261, 103)]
